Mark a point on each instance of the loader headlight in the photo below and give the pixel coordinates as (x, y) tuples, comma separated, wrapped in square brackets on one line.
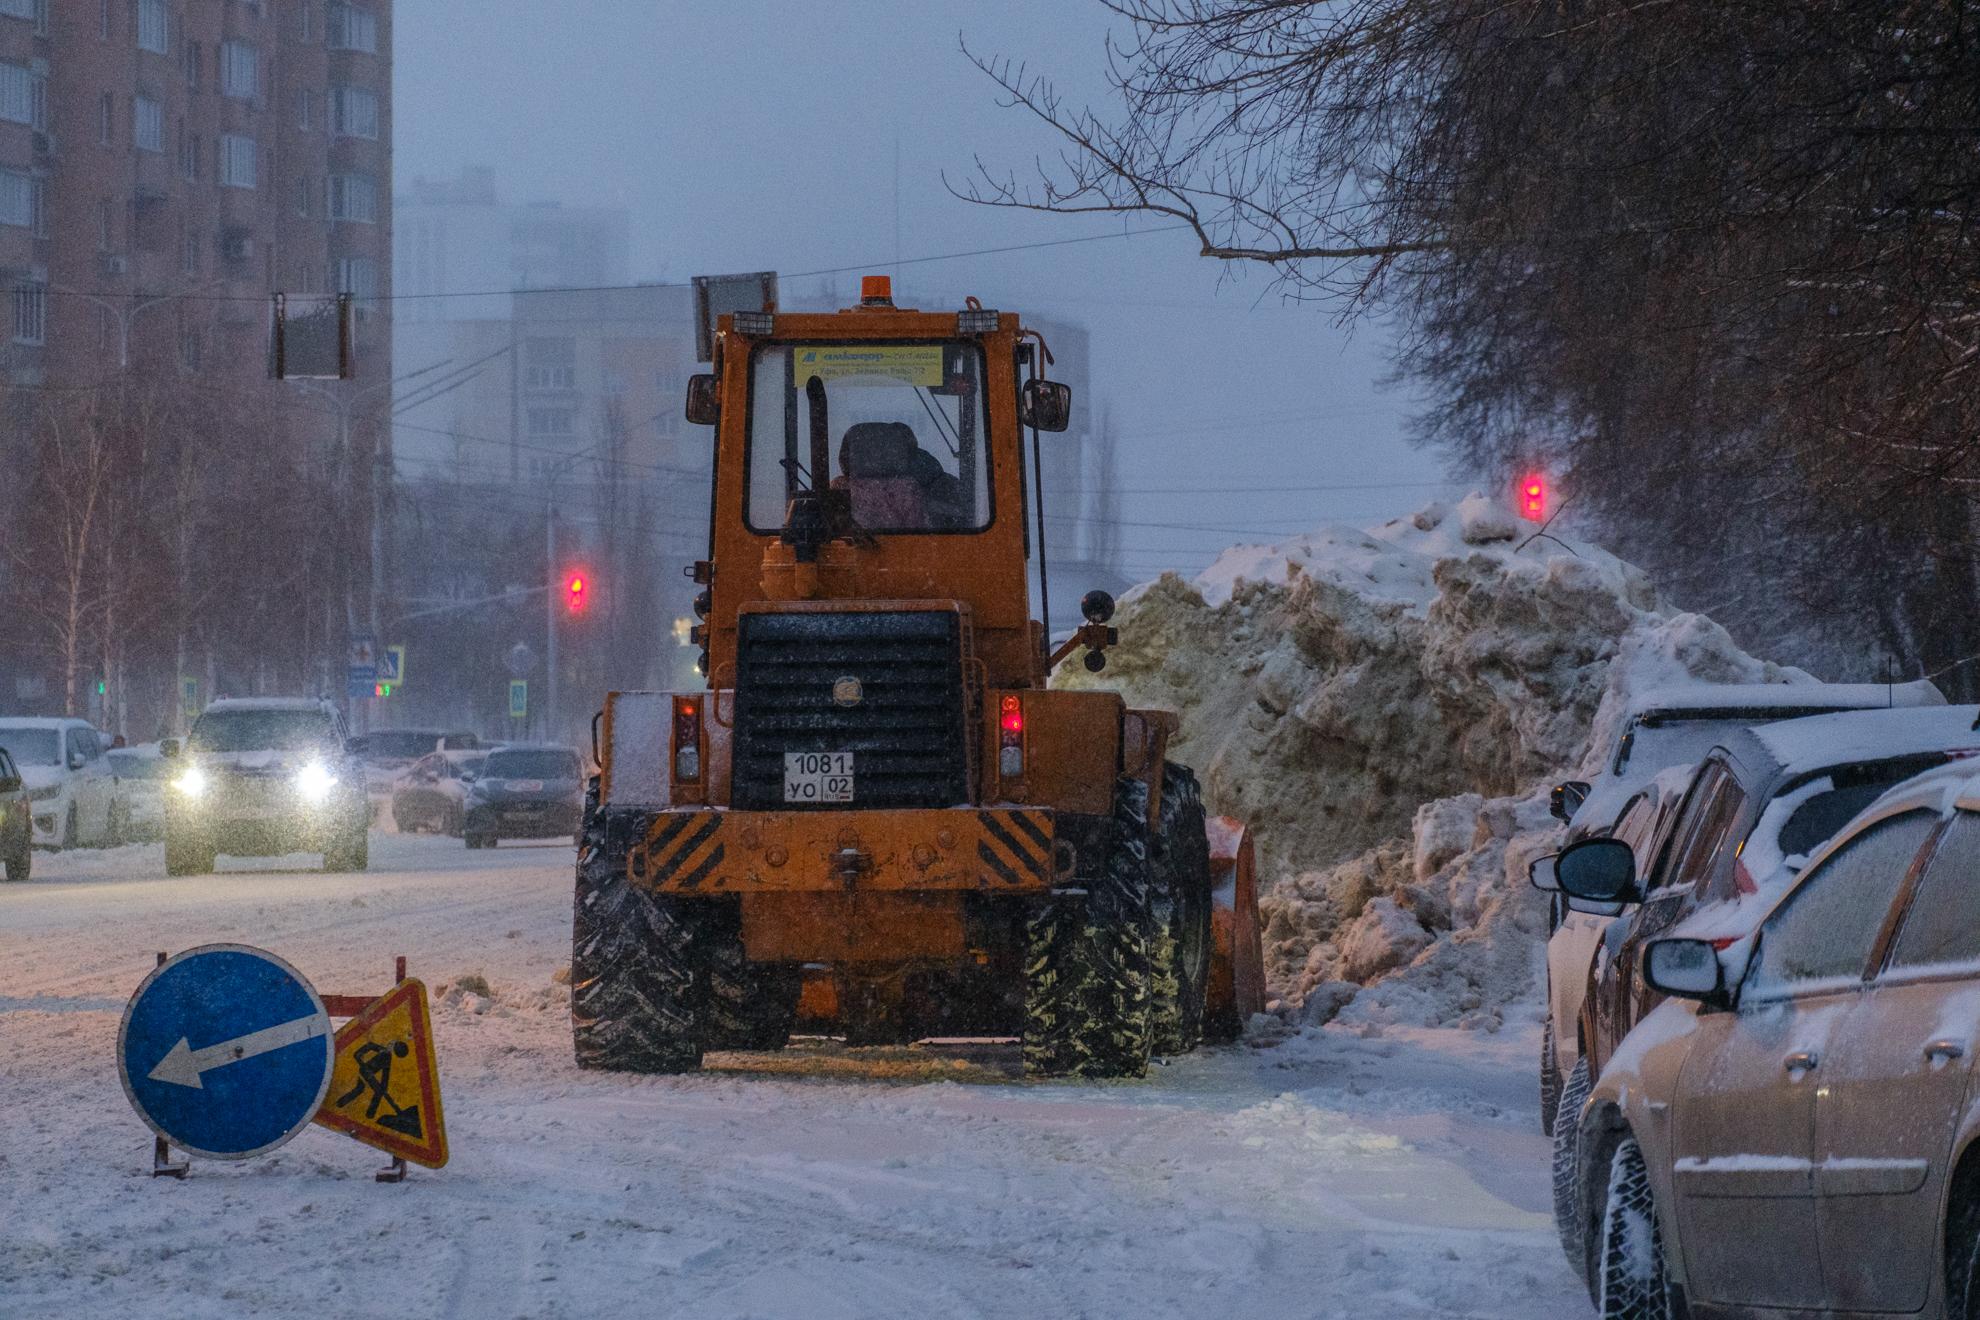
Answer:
[(192, 783), (314, 782)]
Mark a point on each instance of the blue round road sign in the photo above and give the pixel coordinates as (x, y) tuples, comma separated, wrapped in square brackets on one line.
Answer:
[(225, 1051)]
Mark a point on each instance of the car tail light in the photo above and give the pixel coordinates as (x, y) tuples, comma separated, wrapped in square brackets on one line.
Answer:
[(687, 739), (1010, 738)]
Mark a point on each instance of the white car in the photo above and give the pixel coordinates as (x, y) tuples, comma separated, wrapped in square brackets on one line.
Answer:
[(139, 806), (70, 789)]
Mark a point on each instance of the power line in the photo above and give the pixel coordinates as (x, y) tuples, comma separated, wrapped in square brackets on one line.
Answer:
[(655, 284)]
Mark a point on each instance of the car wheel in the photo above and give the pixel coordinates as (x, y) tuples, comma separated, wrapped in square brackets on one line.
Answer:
[(1567, 1162), (1550, 1078), (69, 829), (1633, 1284)]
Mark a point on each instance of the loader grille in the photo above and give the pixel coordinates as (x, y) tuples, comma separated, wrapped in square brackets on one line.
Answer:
[(906, 732)]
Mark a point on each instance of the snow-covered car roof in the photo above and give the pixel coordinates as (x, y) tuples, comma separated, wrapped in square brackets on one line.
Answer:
[(1710, 699), (310, 704), (1816, 741)]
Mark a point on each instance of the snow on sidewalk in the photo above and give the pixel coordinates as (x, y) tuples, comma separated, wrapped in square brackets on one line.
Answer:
[(1331, 1175)]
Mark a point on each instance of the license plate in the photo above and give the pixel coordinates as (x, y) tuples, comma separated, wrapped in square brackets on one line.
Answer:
[(818, 776)]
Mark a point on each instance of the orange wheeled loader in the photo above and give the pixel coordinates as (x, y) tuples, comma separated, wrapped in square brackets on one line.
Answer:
[(875, 820)]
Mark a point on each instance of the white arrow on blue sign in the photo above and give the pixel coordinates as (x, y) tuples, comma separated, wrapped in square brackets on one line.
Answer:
[(225, 1051)]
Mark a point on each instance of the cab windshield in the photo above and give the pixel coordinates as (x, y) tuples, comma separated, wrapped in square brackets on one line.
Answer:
[(905, 428)]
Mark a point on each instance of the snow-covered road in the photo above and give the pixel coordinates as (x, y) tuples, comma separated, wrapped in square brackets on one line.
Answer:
[(1332, 1175)]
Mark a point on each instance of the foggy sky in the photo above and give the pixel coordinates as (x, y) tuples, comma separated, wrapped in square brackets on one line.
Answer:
[(753, 135)]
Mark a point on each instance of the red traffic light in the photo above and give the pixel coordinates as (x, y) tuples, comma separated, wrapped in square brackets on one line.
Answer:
[(1533, 497), (575, 586)]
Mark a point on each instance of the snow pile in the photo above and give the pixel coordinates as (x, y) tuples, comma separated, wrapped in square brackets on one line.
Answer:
[(1388, 709)]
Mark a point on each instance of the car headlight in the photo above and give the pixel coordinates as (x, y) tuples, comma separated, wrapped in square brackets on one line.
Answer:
[(314, 782), (192, 783)]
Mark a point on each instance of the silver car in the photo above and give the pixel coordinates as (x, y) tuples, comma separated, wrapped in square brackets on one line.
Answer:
[(1794, 1131)]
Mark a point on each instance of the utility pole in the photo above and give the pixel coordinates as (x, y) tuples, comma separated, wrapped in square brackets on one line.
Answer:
[(550, 610)]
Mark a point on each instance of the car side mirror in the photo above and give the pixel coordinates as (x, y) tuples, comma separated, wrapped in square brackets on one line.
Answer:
[(704, 405), (1685, 969), (1046, 405), (168, 747), (77, 760), (1599, 870), (1540, 874), (1566, 799)]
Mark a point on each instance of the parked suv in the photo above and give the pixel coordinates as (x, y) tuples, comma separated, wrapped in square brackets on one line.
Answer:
[(1795, 1131), (16, 829), (260, 777), (1757, 808), (68, 780), (1677, 726)]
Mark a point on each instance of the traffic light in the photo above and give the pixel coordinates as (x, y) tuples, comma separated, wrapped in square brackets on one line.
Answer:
[(1533, 497), (575, 587)]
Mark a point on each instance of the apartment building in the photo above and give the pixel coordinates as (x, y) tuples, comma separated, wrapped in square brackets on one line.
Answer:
[(165, 165)]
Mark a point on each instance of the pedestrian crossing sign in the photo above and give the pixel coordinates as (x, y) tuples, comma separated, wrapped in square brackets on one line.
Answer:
[(385, 1081)]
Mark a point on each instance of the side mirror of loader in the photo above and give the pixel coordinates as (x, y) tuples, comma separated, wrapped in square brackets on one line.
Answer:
[(704, 406), (1046, 405)]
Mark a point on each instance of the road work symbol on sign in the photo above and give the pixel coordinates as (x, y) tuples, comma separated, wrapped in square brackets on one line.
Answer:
[(224, 1051), (385, 1082)]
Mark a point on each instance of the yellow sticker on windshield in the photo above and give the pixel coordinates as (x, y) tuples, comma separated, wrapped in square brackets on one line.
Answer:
[(881, 364)]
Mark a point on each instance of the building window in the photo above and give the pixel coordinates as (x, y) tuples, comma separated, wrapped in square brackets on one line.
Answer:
[(189, 251), (22, 9), (152, 24), (354, 197), (237, 161), (305, 109), (357, 276), (30, 314), (106, 118), (189, 152), (350, 27), (354, 111), (189, 348), (147, 124), (103, 20), (239, 70), (550, 421), (23, 95), (305, 21), (550, 378), (304, 190), (106, 222), (191, 54)]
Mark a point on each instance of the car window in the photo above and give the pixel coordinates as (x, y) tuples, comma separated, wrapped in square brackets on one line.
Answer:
[(1942, 925), (82, 742), (260, 729), (1821, 936), (530, 764), (1714, 806), (33, 746), (6, 765)]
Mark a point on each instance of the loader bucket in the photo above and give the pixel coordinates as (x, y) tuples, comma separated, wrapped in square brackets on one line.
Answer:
[(1237, 956)]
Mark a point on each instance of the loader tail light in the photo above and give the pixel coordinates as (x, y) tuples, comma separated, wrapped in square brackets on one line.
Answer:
[(687, 739), (1010, 741)]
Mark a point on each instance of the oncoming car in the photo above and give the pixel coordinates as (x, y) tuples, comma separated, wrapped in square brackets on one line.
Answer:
[(1794, 1130), (260, 777), (526, 791)]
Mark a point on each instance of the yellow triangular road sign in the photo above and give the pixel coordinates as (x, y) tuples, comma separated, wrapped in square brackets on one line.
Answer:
[(385, 1081)]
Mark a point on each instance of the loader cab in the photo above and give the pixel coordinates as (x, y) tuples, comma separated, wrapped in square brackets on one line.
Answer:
[(873, 454)]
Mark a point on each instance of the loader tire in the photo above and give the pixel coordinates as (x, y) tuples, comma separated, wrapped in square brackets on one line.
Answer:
[(1179, 949), (751, 1006), (1086, 960), (637, 997)]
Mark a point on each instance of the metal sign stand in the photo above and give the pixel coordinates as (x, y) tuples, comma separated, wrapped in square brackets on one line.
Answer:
[(162, 1165), (349, 1006), (338, 1006)]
